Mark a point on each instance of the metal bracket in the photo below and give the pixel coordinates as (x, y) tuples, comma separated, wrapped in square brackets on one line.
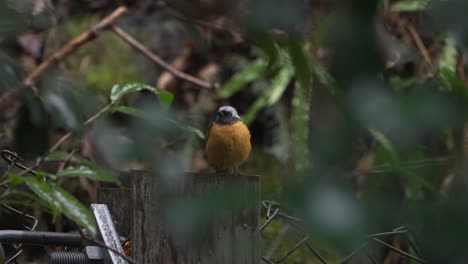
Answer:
[(108, 233)]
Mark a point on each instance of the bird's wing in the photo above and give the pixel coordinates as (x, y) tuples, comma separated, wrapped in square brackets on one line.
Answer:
[(250, 135)]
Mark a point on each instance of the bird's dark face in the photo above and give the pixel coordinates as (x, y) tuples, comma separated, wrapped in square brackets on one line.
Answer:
[(227, 115)]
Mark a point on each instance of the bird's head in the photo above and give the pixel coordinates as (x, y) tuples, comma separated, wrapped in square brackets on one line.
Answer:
[(227, 115)]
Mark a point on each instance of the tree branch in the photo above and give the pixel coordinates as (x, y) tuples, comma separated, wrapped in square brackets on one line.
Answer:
[(72, 45), (156, 59)]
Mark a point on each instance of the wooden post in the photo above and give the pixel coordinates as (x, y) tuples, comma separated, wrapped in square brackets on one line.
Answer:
[(119, 202), (199, 218)]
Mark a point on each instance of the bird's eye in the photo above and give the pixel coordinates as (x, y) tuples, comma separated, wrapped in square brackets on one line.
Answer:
[(227, 113)]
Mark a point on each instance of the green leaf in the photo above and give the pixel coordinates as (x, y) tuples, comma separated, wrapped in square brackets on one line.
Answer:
[(300, 59), (265, 42), (63, 202), (135, 112), (300, 125), (12, 21), (165, 98), (23, 198), (323, 76), (59, 156), (63, 108), (87, 168), (272, 94), (10, 73), (454, 84), (188, 128), (240, 79), (387, 145), (15, 179), (409, 6), (448, 57), (121, 89), (126, 110), (94, 173), (279, 85), (46, 175)]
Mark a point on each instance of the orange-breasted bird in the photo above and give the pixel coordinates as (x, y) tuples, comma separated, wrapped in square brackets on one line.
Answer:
[(228, 141)]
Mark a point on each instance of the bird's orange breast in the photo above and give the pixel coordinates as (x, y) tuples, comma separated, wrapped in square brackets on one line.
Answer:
[(228, 146)]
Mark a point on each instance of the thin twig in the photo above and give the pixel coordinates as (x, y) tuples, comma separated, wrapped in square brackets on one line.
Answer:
[(345, 260), (156, 59), (389, 233), (72, 45), (371, 258), (420, 44), (399, 250), (292, 250), (64, 161), (102, 244), (61, 54)]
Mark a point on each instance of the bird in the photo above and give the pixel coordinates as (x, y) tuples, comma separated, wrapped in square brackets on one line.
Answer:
[(228, 141)]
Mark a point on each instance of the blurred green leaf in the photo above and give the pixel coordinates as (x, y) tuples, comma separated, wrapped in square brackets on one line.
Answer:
[(188, 128), (11, 20), (119, 90), (400, 84), (126, 110), (454, 84), (409, 6), (264, 41), (323, 76), (300, 61), (300, 103), (322, 32), (279, 85), (59, 156), (87, 168), (62, 201), (60, 106), (300, 125), (94, 173), (240, 79), (271, 95), (67, 101), (414, 179), (387, 145), (448, 57), (135, 112), (46, 175), (23, 198), (15, 179), (11, 74)]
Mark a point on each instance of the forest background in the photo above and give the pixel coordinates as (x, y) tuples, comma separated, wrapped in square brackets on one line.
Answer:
[(357, 110)]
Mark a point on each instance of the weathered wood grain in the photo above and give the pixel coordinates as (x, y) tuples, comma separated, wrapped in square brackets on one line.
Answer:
[(119, 202), (197, 218)]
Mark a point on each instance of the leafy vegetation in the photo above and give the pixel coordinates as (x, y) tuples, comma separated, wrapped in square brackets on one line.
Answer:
[(357, 112)]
